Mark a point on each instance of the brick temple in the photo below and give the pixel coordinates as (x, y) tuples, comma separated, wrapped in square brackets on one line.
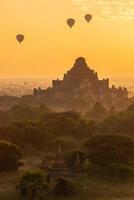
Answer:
[(80, 89)]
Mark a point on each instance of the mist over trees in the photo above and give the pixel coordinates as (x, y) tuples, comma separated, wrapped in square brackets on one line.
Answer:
[(40, 127), (101, 140), (105, 137)]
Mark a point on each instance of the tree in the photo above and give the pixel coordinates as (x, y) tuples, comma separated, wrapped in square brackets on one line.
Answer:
[(107, 149), (24, 111), (20, 111), (32, 185), (66, 143), (10, 154), (121, 123), (34, 133), (111, 155), (63, 187)]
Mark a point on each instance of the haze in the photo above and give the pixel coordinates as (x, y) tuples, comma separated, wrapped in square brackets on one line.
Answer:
[(50, 46)]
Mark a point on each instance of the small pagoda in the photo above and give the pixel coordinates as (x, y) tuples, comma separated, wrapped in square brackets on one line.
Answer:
[(58, 167)]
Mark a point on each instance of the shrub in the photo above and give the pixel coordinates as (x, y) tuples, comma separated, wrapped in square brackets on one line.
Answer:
[(32, 185), (63, 187)]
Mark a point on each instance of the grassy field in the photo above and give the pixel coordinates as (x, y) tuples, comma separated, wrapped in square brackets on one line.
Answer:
[(9, 181), (92, 188)]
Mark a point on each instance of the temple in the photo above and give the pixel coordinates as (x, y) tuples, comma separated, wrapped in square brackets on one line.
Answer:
[(80, 89), (58, 166)]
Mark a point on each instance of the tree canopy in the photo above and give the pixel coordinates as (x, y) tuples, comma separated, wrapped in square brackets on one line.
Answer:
[(10, 154)]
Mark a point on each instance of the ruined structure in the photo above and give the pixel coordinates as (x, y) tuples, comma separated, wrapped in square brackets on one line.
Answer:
[(80, 89), (58, 166)]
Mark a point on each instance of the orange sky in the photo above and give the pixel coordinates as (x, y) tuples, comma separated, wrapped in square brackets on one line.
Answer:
[(50, 47)]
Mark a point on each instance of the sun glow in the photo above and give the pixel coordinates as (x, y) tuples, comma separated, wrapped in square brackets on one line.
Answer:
[(50, 46)]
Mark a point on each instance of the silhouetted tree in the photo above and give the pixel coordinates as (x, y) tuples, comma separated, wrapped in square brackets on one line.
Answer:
[(10, 155), (32, 185), (111, 155), (104, 149)]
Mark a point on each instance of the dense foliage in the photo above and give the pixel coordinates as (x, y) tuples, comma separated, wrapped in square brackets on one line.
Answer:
[(112, 155), (10, 155), (45, 131), (42, 129), (110, 148), (32, 185), (102, 141)]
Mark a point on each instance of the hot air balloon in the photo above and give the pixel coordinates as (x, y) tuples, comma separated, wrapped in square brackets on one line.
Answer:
[(70, 22), (20, 38), (88, 17)]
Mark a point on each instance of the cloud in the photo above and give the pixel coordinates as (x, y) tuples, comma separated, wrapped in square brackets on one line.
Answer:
[(108, 9)]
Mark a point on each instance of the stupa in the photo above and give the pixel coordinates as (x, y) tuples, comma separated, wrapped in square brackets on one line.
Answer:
[(58, 167)]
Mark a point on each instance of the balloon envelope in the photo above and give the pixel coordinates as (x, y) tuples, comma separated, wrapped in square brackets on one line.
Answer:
[(88, 17), (70, 22), (20, 38)]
